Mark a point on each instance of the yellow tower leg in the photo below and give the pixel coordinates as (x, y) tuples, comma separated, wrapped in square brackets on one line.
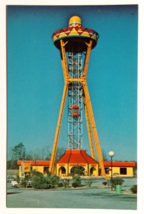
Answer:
[(54, 151), (89, 106), (87, 59), (63, 60), (65, 72), (89, 131)]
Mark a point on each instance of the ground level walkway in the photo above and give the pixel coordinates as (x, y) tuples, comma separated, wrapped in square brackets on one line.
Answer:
[(76, 198)]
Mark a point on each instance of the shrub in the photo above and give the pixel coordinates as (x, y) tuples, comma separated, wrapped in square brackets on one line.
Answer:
[(18, 178), (88, 182), (23, 183), (35, 172), (66, 183), (77, 180), (115, 174), (42, 182), (117, 181), (134, 189), (105, 183), (28, 176), (54, 179), (60, 184), (74, 184)]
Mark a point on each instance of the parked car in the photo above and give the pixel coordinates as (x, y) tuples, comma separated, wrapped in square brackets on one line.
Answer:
[(10, 178), (14, 184)]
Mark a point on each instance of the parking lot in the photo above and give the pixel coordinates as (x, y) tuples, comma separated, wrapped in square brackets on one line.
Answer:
[(76, 198)]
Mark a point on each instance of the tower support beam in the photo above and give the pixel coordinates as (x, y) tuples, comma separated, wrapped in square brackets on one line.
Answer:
[(63, 60), (89, 130), (54, 151), (89, 46), (89, 106)]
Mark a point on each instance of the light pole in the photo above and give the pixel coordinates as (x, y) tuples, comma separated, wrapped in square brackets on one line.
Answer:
[(111, 154)]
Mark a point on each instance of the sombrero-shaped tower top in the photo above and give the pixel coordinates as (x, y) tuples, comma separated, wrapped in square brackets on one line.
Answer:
[(75, 21), (75, 35)]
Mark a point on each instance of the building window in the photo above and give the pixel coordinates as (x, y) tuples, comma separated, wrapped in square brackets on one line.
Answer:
[(123, 171), (46, 169)]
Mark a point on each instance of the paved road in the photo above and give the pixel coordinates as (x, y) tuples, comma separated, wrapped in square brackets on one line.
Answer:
[(84, 198)]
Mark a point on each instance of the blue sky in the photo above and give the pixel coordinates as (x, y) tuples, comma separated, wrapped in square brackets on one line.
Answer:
[(35, 77)]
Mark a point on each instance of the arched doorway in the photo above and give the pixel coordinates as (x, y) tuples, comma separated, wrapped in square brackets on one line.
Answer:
[(92, 170), (62, 170)]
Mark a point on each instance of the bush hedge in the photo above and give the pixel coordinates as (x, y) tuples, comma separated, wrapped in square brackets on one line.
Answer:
[(77, 180), (74, 184), (60, 184), (23, 183), (134, 189), (42, 182), (105, 183), (117, 181)]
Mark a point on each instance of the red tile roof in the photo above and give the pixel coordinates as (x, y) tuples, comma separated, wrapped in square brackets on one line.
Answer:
[(88, 158), (119, 164), (79, 157), (76, 156), (65, 157)]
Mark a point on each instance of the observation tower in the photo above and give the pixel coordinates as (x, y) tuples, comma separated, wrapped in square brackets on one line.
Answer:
[(75, 44)]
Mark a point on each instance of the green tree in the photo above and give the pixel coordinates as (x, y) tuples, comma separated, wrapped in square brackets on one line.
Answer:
[(59, 154), (29, 157), (19, 152), (104, 155), (77, 170), (12, 164)]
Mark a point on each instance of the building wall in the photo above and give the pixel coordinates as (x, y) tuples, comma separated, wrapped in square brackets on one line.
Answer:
[(59, 171), (114, 170), (37, 168), (129, 171), (68, 168), (41, 168)]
